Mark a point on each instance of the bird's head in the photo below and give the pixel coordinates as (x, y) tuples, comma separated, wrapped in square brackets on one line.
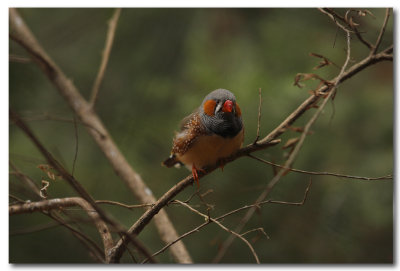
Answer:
[(221, 114)]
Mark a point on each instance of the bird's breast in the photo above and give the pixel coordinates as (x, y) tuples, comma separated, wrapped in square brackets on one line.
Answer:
[(208, 149)]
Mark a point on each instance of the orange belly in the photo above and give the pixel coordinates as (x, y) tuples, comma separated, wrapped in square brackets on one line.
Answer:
[(208, 149)]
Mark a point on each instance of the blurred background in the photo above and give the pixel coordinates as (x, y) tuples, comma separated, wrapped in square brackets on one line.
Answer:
[(163, 62)]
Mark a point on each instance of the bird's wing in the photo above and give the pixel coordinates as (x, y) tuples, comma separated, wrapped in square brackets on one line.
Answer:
[(191, 129), (186, 120)]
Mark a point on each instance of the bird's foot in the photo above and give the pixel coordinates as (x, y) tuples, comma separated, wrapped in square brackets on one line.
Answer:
[(196, 175), (221, 163)]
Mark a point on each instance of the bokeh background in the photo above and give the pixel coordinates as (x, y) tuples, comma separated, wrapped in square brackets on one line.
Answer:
[(163, 62)]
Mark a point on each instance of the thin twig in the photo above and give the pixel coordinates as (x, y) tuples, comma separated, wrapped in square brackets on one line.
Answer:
[(290, 159), (259, 117), (94, 249), (379, 39), (19, 59), (47, 205), (78, 188), (133, 206), (256, 229), (258, 204), (348, 28), (27, 180), (223, 227), (198, 228), (76, 147), (46, 116), (112, 26), (324, 173), (331, 14)]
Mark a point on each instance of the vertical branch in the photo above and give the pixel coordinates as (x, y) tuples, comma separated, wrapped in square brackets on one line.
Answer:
[(259, 116), (112, 26), (76, 146), (379, 39)]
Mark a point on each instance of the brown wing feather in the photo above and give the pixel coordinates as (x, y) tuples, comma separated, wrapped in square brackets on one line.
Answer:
[(191, 128)]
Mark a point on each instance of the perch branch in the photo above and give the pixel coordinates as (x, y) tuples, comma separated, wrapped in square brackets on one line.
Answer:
[(87, 116), (267, 141)]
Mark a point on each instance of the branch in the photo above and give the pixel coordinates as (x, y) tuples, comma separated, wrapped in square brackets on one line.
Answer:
[(196, 229), (86, 241), (350, 27), (94, 249), (21, 34), (112, 26), (139, 225), (379, 39), (129, 176), (292, 156), (387, 177), (267, 141), (259, 116), (77, 186), (222, 226), (47, 205)]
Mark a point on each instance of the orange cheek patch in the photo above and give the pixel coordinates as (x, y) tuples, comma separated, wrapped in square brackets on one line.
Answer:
[(238, 111), (209, 107)]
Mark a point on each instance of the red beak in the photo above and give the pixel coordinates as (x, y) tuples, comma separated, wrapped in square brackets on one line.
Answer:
[(228, 106)]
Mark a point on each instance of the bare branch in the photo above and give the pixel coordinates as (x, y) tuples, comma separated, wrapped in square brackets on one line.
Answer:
[(28, 181), (133, 180), (259, 116), (19, 59), (47, 205), (21, 34), (197, 229), (349, 27), (76, 147), (387, 177), (78, 187), (290, 159), (267, 141), (94, 249), (112, 26), (123, 205), (223, 227), (379, 39)]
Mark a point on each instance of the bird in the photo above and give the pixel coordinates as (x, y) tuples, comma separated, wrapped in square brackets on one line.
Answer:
[(213, 131)]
